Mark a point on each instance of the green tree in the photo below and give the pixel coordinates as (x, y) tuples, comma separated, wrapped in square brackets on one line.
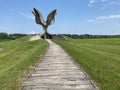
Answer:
[(3, 35)]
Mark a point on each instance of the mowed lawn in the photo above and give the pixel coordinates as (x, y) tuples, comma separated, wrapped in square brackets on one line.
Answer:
[(17, 59), (100, 58)]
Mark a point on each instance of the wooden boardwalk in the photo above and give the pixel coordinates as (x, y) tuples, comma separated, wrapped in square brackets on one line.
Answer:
[(57, 71)]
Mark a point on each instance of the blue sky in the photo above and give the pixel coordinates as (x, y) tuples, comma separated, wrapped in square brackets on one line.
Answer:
[(73, 16)]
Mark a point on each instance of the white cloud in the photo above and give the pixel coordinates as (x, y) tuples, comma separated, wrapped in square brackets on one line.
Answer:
[(32, 32), (27, 15), (91, 2), (113, 3), (103, 19), (108, 17), (91, 20)]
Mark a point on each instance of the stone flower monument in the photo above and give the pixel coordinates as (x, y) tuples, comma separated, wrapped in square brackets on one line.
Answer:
[(50, 20)]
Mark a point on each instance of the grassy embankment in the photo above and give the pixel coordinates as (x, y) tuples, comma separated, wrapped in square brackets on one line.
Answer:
[(17, 60), (100, 58)]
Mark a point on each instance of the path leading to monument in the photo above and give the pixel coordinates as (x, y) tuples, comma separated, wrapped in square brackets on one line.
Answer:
[(58, 71)]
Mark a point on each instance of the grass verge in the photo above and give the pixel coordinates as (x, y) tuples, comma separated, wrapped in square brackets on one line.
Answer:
[(100, 58), (17, 60)]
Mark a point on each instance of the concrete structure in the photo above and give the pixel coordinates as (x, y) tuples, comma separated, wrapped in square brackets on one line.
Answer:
[(35, 37), (39, 20)]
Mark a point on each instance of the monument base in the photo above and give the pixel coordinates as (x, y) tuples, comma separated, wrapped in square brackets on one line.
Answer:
[(59, 37), (45, 35)]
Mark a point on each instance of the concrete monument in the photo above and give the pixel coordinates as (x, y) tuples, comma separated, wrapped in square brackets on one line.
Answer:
[(50, 20)]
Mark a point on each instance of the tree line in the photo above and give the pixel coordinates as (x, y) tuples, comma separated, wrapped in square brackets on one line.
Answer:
[(4, 35), (76, 36)]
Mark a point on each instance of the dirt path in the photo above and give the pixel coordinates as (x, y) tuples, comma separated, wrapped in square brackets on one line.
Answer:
[(57, 71)]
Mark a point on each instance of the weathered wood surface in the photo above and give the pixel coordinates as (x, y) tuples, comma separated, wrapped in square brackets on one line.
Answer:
[(57, 71)]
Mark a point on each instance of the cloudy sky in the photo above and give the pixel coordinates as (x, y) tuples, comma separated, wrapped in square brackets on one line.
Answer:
[(73, 16)]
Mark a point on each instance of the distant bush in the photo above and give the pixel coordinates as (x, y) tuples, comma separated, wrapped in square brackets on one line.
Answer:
[(15, 36), (4, 35), (76, 36)]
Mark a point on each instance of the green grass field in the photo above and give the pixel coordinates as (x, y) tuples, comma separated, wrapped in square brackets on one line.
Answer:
[(17, 60), (100, 58)]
